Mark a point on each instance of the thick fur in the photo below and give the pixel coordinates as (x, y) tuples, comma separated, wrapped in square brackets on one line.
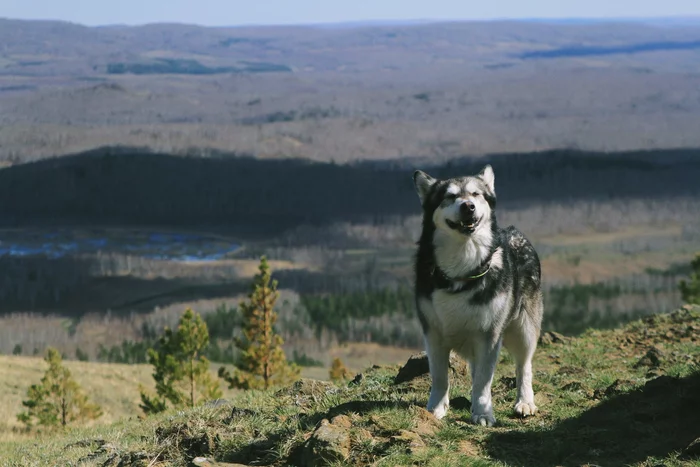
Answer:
[(477, 288)]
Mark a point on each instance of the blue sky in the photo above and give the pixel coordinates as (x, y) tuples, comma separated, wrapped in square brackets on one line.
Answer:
[(240, 12)]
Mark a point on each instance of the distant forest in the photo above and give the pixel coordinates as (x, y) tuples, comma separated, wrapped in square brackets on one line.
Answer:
[(247, 196), (164, 66), (592, 51)]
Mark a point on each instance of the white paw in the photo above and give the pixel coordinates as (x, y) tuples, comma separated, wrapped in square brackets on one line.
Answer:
[(525, 409), (439, 411), (484, 419)]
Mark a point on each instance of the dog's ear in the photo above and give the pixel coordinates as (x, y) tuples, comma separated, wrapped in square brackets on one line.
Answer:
[(423, 183), (488, 177)]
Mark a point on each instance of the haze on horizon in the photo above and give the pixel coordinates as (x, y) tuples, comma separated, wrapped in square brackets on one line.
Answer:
[(284, 12)]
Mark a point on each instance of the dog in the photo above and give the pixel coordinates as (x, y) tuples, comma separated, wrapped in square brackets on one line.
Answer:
[(477, 287)]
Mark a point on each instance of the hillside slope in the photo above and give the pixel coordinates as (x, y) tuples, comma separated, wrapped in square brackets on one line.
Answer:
[(439, 90), (624, 397)]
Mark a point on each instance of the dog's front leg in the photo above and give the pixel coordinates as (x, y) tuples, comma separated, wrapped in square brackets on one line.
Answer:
[(439, 361), (483, 365)]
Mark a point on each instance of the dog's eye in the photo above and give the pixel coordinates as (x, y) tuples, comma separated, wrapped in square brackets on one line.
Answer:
[(475, 194)]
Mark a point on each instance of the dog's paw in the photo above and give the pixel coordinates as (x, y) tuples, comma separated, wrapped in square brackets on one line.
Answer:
[(484, 419), (525, 409), (439, 411)]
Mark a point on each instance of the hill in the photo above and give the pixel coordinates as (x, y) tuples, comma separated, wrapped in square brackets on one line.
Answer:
[(373, 91), (629, 396)]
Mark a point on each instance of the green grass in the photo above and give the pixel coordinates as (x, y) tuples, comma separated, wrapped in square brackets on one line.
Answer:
[(597, 407)]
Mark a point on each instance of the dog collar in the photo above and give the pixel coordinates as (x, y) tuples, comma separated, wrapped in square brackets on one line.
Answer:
[(476, 276), (443, 281)]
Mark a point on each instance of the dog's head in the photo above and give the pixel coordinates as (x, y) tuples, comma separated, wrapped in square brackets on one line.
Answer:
[(458, 206)]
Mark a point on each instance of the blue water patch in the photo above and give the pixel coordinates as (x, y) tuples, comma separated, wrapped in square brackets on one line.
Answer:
[(154, 245)]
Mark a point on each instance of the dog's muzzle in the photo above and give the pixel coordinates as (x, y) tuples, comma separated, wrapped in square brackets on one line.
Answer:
[(467, 222)]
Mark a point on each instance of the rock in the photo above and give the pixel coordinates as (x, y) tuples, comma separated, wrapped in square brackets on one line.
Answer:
[(651, 359), (417, 365), (692, 451), (381, 422), (414, 441), (329, 444), (342, 420), (458, 365), (363, 435), (426, 423), (551, 337)]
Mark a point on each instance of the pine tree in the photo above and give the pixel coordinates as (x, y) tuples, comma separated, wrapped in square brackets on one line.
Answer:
[(181, 372), (58, 399), (690, 291), (262, 363), (338, 371)]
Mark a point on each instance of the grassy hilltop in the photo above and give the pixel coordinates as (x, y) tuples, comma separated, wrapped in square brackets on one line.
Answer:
[(629, 396)]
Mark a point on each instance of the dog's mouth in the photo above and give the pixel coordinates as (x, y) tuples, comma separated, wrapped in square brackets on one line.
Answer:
[(464, 227)]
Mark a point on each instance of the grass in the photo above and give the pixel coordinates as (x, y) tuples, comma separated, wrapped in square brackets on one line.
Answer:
[(115, 387), (598, 406)]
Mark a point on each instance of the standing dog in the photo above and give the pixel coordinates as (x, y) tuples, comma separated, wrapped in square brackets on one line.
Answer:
[(477, 287)]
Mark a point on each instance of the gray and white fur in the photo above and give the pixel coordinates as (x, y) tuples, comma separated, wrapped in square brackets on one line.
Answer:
[(477, 288)]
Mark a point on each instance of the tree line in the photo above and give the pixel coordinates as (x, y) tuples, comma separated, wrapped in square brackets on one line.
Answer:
[(385, 314), (122, 186)]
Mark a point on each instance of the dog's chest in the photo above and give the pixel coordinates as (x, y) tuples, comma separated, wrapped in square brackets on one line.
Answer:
[(454, 314)]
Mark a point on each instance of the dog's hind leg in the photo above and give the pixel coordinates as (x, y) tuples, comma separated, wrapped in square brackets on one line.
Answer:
[(483, 365), (439, 361), (521, 341)]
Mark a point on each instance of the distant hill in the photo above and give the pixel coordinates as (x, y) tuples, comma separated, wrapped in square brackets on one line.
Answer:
[(343, 92)]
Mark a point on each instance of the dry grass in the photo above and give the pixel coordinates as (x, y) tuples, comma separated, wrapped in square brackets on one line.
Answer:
[(115, 386)]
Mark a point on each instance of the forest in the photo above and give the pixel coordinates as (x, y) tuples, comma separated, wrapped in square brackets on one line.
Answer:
[(122, 187)]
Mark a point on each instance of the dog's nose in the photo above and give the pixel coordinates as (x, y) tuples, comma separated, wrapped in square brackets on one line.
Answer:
[(467, 207)]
